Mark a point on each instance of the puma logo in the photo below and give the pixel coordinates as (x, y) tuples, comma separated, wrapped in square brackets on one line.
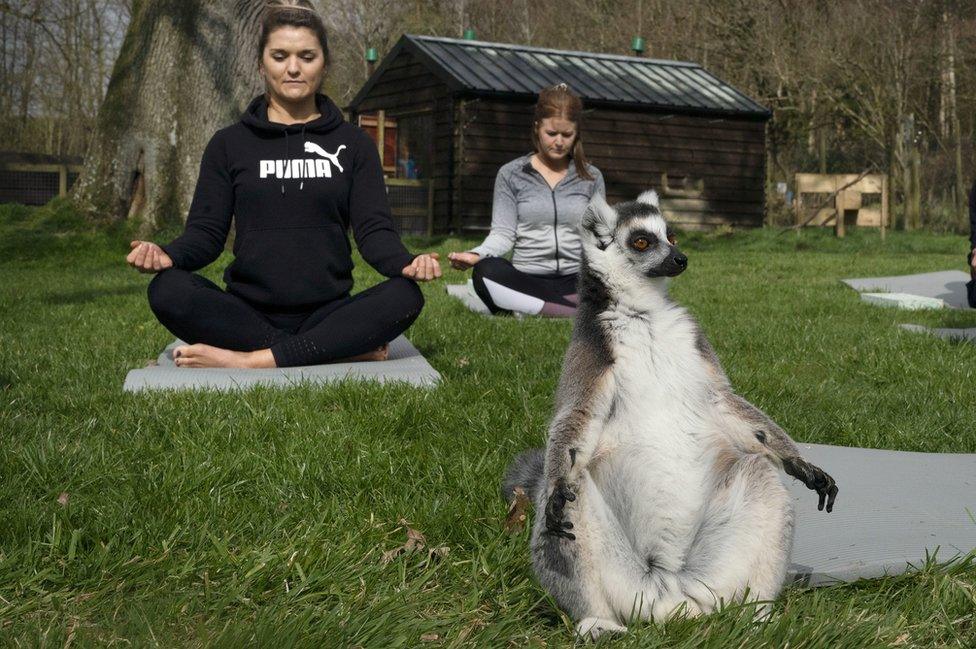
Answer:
[(306, 168), (312, 147)]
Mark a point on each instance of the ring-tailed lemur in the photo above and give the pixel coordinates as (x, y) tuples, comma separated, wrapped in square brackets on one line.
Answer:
[(658, 488)]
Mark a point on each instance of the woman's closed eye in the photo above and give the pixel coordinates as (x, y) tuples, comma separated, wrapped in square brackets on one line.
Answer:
[(305, 56)]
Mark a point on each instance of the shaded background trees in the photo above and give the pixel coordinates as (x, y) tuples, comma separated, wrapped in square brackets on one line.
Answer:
[(55, 60), (854, 84)]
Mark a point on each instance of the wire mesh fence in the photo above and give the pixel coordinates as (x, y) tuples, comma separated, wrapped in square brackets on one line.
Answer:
[(35, 183), (410, 204)]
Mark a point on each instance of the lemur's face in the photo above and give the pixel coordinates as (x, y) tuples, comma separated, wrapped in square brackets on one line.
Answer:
[(644, 237), (637, 231)]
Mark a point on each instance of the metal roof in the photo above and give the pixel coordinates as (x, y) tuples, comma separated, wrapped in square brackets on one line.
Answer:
[(483, 68)]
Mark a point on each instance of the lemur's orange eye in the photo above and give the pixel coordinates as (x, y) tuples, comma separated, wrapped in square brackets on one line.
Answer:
[(671, 239), (641, 244)]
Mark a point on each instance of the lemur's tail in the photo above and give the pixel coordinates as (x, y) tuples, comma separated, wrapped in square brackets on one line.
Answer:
[(525, 471)]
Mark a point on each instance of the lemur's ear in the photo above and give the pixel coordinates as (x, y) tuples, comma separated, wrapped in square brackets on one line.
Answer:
[(649, 198), (598, 222)]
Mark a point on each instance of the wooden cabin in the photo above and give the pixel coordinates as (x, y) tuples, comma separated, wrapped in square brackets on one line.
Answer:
[(450, 112)]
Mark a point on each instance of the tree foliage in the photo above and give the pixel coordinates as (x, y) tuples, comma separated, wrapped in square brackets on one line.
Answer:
[(853, 84)]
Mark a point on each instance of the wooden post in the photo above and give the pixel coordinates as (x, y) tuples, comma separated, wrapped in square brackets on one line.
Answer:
[(381, 133), (917, 187), (884, 204), (62, 180), (430, 207), (840, 201), (797, 200), (457, 205)]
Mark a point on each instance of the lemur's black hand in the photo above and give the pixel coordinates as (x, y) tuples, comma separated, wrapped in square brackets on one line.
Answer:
[(555, 525), (814, 478)]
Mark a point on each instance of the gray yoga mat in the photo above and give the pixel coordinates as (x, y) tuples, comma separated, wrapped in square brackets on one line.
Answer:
[(466, 295), (942, 332), (404, 364), (948, 286), (892, 508)]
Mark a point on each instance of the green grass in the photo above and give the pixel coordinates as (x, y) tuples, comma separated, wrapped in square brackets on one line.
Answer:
[(260, 518)]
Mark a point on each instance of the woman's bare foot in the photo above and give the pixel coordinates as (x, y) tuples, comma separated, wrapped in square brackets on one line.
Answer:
[(201, 355), (378, 354)]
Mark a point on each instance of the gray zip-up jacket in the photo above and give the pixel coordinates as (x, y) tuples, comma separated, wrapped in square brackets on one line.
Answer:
[(536, 222)]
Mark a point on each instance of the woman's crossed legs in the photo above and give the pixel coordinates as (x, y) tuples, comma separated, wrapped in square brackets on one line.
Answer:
[(225, 331), (504, 289)]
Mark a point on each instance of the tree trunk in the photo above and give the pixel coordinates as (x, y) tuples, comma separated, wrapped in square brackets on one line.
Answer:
[(186, 68), (955, 126)]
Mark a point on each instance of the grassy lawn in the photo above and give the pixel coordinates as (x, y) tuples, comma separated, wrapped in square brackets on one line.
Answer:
[(261, 518)]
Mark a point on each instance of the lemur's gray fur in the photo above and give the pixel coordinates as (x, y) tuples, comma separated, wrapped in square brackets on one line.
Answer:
[(658, 489)]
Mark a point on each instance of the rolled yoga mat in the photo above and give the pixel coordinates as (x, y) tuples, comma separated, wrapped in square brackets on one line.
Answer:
[(404, 364), (948, 286), (956, 335), (465, 293), (892, 508)]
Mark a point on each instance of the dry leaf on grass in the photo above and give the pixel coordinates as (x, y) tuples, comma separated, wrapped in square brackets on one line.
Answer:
[(900, 640), (430, 637), (517, 512), (63, 499), (414, 543)]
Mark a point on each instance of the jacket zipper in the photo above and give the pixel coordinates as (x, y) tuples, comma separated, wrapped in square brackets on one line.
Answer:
[(555, 227)]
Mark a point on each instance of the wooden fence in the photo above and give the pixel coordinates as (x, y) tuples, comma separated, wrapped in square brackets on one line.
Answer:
[(842, 200), (33, 183)]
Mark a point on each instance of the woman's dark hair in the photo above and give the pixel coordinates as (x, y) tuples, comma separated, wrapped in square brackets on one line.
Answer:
[(560, 101), (297, 13)]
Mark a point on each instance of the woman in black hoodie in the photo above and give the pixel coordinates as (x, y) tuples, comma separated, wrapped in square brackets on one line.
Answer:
[(294, 176), (971, 257)]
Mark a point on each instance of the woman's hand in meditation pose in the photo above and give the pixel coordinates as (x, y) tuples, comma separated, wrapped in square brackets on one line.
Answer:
[(423, 268), (147, 257), (463, 260)]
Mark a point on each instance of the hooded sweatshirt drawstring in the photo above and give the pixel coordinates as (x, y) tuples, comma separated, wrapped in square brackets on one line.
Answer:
[(287, 157), (301, 185)]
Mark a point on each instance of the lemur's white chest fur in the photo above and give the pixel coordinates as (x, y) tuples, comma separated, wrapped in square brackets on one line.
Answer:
[(654, 448)]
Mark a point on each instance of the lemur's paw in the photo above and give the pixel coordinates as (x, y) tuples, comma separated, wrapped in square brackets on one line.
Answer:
[(591, 628), (556, 509), (814, 478)]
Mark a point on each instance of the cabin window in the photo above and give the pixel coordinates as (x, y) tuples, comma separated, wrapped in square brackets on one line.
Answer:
[(415, 137), (407, 150), (380, 127)]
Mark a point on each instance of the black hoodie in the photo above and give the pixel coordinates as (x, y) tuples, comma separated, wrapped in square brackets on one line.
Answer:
[(293, 192), (972, 217)]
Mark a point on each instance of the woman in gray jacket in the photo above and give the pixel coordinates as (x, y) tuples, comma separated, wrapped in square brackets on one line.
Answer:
[(539, 199)]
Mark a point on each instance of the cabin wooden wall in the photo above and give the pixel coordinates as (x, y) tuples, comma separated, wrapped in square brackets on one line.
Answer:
[(493, 132), (724, 160), (407, 87)]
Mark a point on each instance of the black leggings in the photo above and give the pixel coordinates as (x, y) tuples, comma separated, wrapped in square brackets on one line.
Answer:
[(971, 284), (196, 310), (504, 289)]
